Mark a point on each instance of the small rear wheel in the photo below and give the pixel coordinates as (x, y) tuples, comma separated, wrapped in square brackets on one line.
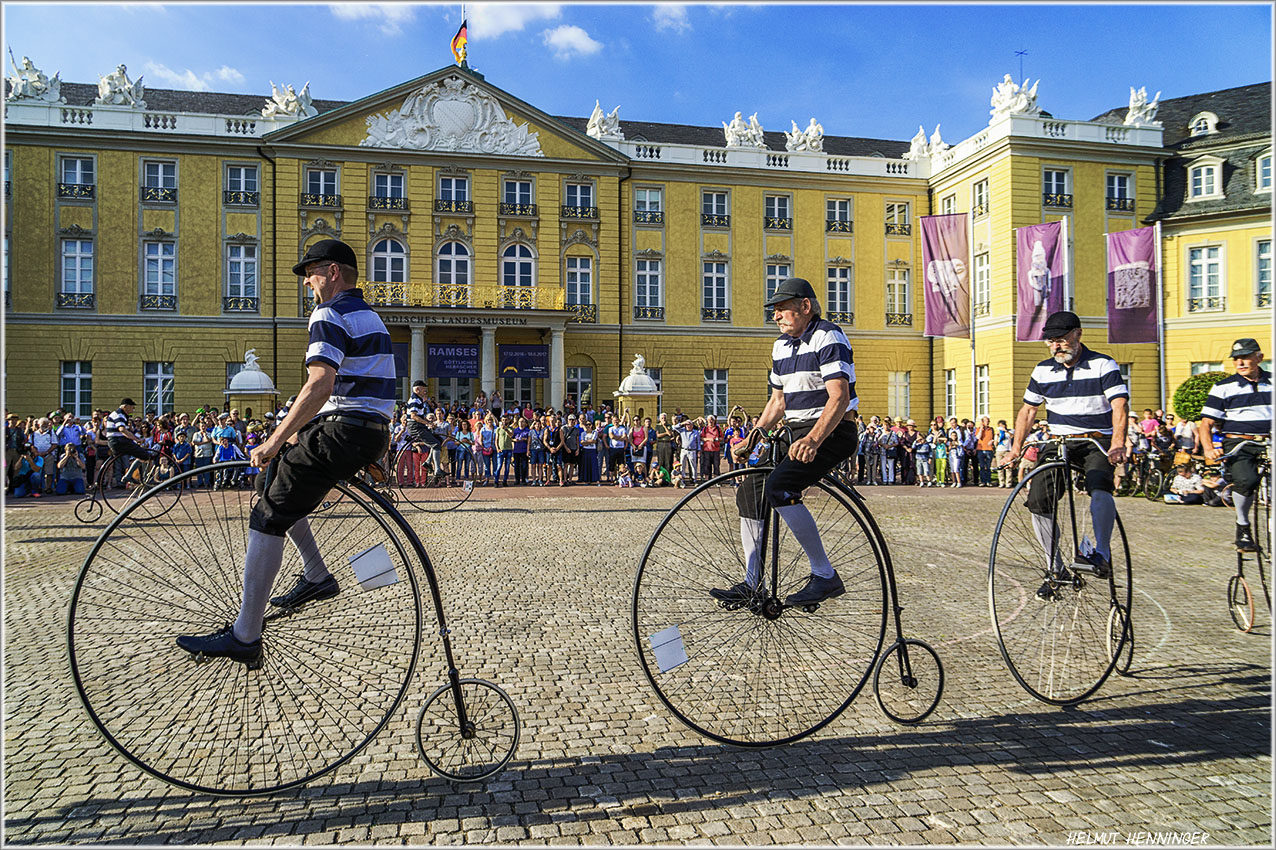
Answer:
[(1121, 638), (476, 750), (1240, 602), (913, 681), (88, 510)]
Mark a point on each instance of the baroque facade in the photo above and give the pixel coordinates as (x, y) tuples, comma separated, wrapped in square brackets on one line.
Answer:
[(150, 236)]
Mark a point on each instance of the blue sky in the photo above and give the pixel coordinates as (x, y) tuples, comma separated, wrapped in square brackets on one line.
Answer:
[(862, 70)]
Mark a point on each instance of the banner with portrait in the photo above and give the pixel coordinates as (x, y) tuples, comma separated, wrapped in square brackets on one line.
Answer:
[(946, 275), (1133, 286), (1042, 264)]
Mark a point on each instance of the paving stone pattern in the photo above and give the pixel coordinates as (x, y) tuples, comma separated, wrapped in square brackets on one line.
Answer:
[(537, 588)]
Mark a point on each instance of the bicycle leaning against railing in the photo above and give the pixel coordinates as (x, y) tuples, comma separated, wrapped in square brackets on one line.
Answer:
[(756, 673)]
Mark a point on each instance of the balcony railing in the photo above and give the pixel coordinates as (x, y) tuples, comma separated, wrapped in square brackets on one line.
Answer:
[(772, 222), (714, 220), (651, 313), (837, 225), (649, 217), (80, 191), (529, 210), (239, 304), (983, 308), (715, 314), (979, 210), (899, 320), (314, 199), (578, 212), (587, 313), (441, 205), (1056, 199), (1119, 204), (159, 194), (159, 302), (898, 229), (841, 317), (78, 300), (411, 294), (1265, 299), (240, 199), (385, 202), (1211, 304)]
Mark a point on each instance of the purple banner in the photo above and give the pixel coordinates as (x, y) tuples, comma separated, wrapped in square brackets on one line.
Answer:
[(1042, 254), (946, 260), (1133, 285)]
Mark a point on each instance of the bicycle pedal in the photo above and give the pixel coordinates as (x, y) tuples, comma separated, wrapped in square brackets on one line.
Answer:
[(812, 608)]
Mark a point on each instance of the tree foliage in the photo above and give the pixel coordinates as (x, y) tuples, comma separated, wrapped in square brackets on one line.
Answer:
[(1190, 397)]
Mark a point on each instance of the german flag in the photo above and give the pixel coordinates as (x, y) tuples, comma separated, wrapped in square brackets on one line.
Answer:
[(458, 44)]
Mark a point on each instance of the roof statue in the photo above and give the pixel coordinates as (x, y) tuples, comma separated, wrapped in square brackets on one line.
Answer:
[(937, 145), (29, 83), (1011, 99), (740, 134), (1140, 111), (919, 148), (251, 380), (115, 89), (638, 382), (605, 127), (810, 139), (287, 102)]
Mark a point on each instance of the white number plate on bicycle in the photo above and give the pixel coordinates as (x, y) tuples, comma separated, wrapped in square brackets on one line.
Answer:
[(667, 645), (372, 567)]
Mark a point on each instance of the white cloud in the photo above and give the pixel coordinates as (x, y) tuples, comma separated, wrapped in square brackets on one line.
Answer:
[(389, 16), (569, 40), (188, 79), (489, 20), (670, 17)]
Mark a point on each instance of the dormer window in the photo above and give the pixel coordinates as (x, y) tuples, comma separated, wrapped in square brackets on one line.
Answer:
[(1205, 178), (1203, 124), (1263, 173)]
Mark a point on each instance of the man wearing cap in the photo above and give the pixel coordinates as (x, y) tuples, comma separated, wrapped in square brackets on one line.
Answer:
[(120, 437), (813, 389), (420, 429), (1085, 397), (1241, 406), (338, 425)]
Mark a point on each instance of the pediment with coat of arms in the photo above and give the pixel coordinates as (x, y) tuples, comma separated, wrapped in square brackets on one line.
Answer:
[(451, 114)]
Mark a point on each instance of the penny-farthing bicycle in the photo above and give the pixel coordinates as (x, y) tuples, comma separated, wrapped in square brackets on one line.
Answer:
[(1062, 624), (758, 673), (1240, 597), (332, 672)]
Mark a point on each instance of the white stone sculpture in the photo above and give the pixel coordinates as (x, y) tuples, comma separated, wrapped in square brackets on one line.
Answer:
[(1011, 99), (810, 139), (605, 127), (250, 360), (815, 136), (1140, 111), (288, 103), (29, 83), (755, 136), (917, 147), (937, 145), (115, 89), (640, 365), (736, 132), (451, 115)]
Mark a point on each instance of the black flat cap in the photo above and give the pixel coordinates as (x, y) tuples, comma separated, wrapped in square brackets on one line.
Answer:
[(793, 287), (1058, 324), (327, 249), (1245, 346)]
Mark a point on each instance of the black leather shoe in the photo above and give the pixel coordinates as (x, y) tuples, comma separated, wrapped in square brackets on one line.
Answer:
[(1094, 563), (1245, 539), (734, 595), (1046, 592), (222, 644), (307, 591), (817, 589)]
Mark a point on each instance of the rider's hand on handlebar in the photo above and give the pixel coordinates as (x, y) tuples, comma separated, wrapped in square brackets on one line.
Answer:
[(1212, 454), (1116, 454), (803, 450)]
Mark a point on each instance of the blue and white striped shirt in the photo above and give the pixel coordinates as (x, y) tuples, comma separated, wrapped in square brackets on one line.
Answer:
[(349, 336), (800, 367), (415, 407), (115, 420), (1077, 399), (1241, 406)]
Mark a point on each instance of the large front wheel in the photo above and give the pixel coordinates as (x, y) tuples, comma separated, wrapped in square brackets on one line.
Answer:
[(752, 672)]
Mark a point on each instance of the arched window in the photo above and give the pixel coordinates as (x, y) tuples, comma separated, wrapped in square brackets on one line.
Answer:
[(517, 266), (454, 265), (389, 262)]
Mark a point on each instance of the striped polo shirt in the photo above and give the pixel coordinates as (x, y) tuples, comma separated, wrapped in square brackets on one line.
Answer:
[(1241, 406), (1077, 398), (800, 367), (115, 420), (349, 336)]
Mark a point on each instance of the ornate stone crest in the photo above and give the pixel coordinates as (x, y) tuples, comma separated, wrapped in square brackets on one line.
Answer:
[(451, 115)]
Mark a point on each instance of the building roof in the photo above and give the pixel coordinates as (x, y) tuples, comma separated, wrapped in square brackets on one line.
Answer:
[(175, 100), (1242, 112)]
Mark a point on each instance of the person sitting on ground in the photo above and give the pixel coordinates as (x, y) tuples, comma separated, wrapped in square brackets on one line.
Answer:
[(1187, 488)]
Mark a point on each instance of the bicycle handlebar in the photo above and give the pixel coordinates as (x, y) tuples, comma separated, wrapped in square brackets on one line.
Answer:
[(1237, 448), (1060, 439)]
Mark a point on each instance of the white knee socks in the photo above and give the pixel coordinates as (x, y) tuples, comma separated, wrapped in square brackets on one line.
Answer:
[(304, 539), (751, 537), (261, 565), (1242, 503), (802, 524), (1044, 528)]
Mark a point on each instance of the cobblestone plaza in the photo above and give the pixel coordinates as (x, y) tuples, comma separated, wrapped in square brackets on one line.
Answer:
[(537, 588)]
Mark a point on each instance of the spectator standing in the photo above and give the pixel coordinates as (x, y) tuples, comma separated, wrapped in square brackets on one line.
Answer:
[(589, 451), (888, 443), (907, 449), (536, 450), (571, 448), (923, 450), (711, 439), (1005, 437), (939, 443), (985, 445), (664, 442), (955, 452), (504, 451), (689, 450), (519, 440), (202, 445), (183, 453), (552, 437), (45, 443)]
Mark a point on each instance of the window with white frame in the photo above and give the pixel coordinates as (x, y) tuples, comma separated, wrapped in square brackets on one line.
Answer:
[(776, 273), (1054, 181), (580, 383), (454, 188), (898, 296), (232, 369), (948, 204), (580, 194), (77, 387), (837, 209), (1203, 180), (982, 384), (517, 192), (77, 266), (1203, 123), (520, 392), (157, 388), (897, 402), (518, 266), (1263, 273), (713, 203), (950, 392), (580, 280), (159, 268), (715, 392), (76, 170), (241, 178), (8, 166), (841, 299), (455, 391), (715, 291), (1125, 369), (1200, 367), (387, 185), (1262, 173), (159, 175), (648, 291), (776, 210), (389, 262), (653, 372), (983, 284), (241, 271), (1205, 279), (979, 197), (648, 200), (897, 212), (321, 181), (453, 265), (1118, 186)]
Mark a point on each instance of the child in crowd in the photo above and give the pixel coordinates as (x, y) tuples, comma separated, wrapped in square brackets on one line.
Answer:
[(226, 451)]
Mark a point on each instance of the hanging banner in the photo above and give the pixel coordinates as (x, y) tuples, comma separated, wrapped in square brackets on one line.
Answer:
[(452, 361), (1042, 258), (524, 361), (1133, 286), (946, 260)]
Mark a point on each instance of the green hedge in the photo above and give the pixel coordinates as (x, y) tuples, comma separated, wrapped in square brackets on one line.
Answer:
[(1190, 397)]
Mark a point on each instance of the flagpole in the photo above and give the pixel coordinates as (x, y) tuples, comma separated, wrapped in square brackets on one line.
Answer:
[(1160, 308)]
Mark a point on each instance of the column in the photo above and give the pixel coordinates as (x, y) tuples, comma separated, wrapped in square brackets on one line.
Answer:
[(416, 358), (557, 370), (487, 361)]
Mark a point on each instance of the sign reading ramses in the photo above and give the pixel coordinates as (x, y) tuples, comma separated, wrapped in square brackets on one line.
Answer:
[(453, 361)]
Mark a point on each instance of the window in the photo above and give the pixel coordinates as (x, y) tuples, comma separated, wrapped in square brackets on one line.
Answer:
[(160, 276), (77, 387), (241, 271), (517, 266), (580, 195), (232, 369), (75, 171), (1263, 274), (1262, 173), (453, 265), (580, 382), (841, 299), (648, 200), (160, 175), (653, 372), (775, 275), (715, 392), (1118, 186), (520, 392), (898, 298), (157, 388), (950, 392), (979, 198), (1198, 368), (1205, 283), (713, 203), (241, 178), (838, 209), (948, 205), (1203, 181), (456, 391), (454, 188), (777, 215), (517, 192), (8, 169), (897, 213), (580, 278), (1125, 373), (321, 181), (77, 266), (897, 406), (647, 286), (389, 262), (981, 390), (715, 286), (387, 185), (1054, 182), (1203, 123), (983, 285)]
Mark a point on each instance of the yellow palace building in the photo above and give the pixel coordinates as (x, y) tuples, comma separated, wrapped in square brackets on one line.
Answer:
[(149, 237)]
